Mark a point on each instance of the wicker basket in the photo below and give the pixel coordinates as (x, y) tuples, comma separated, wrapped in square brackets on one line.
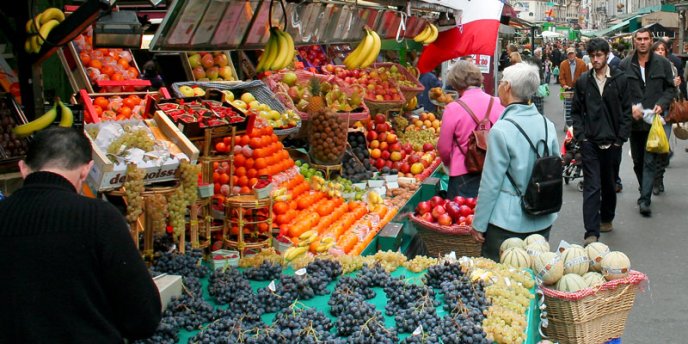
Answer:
[(591, 316), (407, 91), (440, 240), (256, 87)]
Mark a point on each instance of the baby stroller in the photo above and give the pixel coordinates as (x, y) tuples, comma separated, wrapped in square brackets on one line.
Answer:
[(572, 160)]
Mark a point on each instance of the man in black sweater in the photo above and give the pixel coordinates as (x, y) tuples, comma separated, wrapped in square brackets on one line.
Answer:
[(601, 114), (71, 272)]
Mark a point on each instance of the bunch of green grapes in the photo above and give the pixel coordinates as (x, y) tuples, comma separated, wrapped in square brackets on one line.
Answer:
[(399, 123), (504, 326), (133, 188), (189, 180), (137, 138), (418, 137), (176, 207), (156, 209), (420, 263), (389, 260), (255, 260), (350, 263)]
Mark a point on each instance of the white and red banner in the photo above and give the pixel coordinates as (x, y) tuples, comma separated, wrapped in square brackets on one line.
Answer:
[(475, 33)]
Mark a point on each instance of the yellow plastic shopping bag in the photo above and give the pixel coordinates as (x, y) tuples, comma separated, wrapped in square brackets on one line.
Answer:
[(657, 141)]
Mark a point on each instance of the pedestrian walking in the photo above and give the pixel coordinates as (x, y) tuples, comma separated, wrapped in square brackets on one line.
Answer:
[(499, 214), (571, 69), (459, 120), (548, 70), (651, 86), (601, 114)]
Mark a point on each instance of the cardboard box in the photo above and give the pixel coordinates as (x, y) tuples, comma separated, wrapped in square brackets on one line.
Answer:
[(390, 236), (169, 286), (105, 175), (222, 258)]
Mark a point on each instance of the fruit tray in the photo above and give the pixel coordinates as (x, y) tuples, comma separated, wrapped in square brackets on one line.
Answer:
[(256, 87), (119, 105), (407, 90), (283, 91), (313, 56), (209, 66), (195, 114)]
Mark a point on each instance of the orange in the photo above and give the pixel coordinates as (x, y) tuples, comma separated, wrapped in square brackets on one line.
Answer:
[(125, 111), (117, 76), (224, 178), (256, 143), (216, 164), (280, 207), (85, 58), (108, 70), (244, 140), (240, 171), (260, 163), (96, 64), (251, 173), (243, 181), (98, 109), (239, 160), (128, 101), (253, 181), (249, 163), (124, 63), (235, 180), (101, 101), (216, 176), (244, 190), (133, 72)]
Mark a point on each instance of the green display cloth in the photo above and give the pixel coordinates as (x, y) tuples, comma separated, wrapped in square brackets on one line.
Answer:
[(379, 301)]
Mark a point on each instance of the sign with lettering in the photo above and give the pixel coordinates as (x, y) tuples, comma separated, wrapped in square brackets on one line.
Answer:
[(101, 181)]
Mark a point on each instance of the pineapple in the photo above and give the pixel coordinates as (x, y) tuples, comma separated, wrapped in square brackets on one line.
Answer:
[(316, 101)]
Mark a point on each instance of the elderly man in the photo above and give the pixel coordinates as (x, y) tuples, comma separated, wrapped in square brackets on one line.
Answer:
[(571, 69)]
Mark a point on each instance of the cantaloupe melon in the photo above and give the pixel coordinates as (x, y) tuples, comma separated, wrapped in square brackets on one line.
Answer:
[(515, 257), (536, 238), (571, 283), (615, 265), (575, 260), (596, 251), (534, 250), (594, 279), (511, 242), (548, 267)]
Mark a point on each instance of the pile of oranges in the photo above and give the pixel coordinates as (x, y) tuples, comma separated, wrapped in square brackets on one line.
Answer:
[(105, 64), (116, 108)]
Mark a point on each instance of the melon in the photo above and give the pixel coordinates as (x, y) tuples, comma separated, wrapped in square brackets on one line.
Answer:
[(594, 279), (575, 260), (535, 249), (571, 283), (536, 238), (515, 257), (548, 267), (615, 265), (511, 242), (596, 251)]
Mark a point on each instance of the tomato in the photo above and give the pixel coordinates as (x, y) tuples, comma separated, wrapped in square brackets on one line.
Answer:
[(221, 147)]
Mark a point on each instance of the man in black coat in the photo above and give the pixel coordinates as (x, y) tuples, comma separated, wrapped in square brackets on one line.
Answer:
[(601, 114), (651, 85), (71, 272)]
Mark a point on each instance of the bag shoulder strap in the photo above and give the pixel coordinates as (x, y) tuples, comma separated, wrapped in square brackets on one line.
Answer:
[(532, 146), (470, 112)]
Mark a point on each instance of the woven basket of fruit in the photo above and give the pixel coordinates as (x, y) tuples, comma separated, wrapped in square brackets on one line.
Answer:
[(408, 83), (256, 88), (591, 315), (440, 240), (302, 86), (382, 92)]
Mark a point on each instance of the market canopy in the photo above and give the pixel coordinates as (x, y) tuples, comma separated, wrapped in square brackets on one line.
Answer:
[(615, 28), (552, 34)]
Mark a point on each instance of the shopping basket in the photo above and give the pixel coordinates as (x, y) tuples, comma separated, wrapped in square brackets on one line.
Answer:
[(591, 315), (567, 97), (440, 240)]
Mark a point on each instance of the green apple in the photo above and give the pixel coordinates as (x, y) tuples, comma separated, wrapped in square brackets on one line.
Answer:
[(186, 91), (254, 104), (229, 96), (240, 104), (247, 98), (275, 115)]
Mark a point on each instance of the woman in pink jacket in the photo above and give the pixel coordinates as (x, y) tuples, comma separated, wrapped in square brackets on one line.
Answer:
[(457, 125)]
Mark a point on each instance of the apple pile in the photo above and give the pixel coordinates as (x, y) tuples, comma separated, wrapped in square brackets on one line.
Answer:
[(379, 87), (336, 98), (210, 66), (313, 54), (386, 153), (446, 212)]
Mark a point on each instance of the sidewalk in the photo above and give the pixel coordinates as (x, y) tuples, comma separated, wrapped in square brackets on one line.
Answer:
[(655, 245)]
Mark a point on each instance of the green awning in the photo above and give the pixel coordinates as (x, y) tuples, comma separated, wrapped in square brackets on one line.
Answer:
[(614, 28)]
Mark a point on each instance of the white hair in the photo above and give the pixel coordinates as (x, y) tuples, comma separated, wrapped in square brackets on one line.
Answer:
[(538, 51), (524, 79)]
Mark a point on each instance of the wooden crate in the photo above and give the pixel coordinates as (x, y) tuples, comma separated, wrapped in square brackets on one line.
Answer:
[(107, 176)]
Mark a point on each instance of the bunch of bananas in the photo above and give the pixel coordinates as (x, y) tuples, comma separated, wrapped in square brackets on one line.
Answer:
[(366, 51), (294, 252), (38, 28), (428, 35), (279, 51), (59, 108)]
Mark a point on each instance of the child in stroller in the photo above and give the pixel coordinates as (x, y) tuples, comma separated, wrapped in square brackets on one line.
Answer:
[(572, 159)]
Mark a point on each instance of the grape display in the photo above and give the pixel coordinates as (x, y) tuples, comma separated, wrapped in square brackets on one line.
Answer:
[(440, 273), (266, 271), (156, 209), (175, 263), (226, 285), (166, 333), (133, 190), (190, 312), (402, 295), (137, 138), (461, 296), (420, 263), (356, 314)]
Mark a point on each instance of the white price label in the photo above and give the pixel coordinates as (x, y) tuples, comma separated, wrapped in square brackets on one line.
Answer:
[(300, 272), (272, 286), (418, 331)]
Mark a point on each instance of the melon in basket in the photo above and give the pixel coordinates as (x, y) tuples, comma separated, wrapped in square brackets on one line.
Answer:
[(537, 248), (596, 251), (549, 267), (594, 279), (511, 242), (615, 265), (571, 283), (515, 257), (575, 260), (536, 238)]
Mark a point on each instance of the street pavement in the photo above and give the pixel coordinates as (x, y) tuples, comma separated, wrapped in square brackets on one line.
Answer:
[(654, 245)]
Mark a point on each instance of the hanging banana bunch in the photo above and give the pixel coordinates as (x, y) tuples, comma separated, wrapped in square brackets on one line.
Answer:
[(366, 51), (38, 28), (45, 120), (428, 35), (279, 51)]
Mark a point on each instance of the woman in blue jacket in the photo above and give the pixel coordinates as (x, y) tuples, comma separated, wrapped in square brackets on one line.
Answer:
[(498, 214)]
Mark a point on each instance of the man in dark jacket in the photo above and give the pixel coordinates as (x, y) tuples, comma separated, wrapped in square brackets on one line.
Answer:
[(651, 86), (601, 114), (71, 272)]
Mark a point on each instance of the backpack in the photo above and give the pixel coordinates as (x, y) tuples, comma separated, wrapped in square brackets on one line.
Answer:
[(544, 192), (474, 156)]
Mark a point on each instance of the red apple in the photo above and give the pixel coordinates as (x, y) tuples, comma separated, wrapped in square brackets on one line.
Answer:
[(388, 164), (428, 147), (395, 164), (407, 148), (372, 135), (413, 158), (435, 200), (375, 153), (371, 126), (469, 220), (380, 118), (425, 163), (394, 147), (385, 155), (379, 163), (382, 127), (428, 217), (465, 210), (460, 200), (405, 167), (423, 207), (444, 220), (207, 60), (454, 210), (437, 211), (374, 144), (471, 201)]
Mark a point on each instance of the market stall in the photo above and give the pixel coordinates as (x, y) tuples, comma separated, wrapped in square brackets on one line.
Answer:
[(295, 186)]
